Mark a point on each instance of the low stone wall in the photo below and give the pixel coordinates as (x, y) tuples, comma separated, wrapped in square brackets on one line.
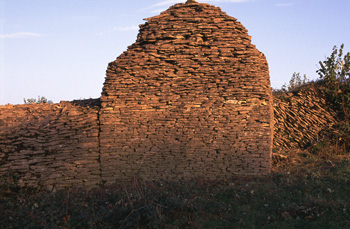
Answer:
[(59, 144), (51, 144), (302, 118)]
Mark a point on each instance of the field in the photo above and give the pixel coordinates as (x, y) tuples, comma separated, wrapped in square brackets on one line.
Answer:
[(305, 190)]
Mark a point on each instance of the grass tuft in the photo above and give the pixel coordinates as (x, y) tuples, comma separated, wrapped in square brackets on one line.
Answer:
[(305, 190)]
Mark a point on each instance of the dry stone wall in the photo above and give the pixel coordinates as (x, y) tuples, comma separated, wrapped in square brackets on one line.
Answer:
[(190, 98), (49, 144), (302, 118)]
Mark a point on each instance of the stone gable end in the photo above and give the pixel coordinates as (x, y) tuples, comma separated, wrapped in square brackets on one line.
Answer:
[(191, 98)]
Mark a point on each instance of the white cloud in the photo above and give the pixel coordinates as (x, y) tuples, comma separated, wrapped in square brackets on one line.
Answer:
[(233, 1), (120, 29), (171, 2), (166, 3), (83, 18), (158, 11), (160, 6), (19, 35), (284, 4), (126, 28)]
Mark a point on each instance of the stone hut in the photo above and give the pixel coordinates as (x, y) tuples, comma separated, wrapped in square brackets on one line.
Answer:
[(191, 98)]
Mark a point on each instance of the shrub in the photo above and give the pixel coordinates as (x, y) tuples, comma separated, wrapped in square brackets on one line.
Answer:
[(295, 82), (335, 73), (41, 99)]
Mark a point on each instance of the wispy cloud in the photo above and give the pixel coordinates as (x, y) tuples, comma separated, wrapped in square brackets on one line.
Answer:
[(233, 1), (126, 28), (120, 29), (284, 4), (161, 6), (83, 18), (158, 11), (166, 3), (19, 35), (170, 2)]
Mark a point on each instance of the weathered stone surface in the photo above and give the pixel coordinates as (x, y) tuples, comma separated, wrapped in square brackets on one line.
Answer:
[(194, 88), (190, 98), (302, 118), (49, 144)]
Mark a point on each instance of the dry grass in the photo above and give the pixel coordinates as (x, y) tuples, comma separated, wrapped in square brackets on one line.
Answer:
[(306, 190)]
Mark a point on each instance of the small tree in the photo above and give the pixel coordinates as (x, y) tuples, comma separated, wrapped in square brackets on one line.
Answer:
[(295, 82), (335, 71), (41, 99)]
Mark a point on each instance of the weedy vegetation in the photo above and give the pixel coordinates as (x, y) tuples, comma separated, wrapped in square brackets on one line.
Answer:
[(304, 191), (41, 99)]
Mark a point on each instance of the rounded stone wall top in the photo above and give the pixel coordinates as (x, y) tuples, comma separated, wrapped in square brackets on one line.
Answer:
[(191, 95), (187, 45)]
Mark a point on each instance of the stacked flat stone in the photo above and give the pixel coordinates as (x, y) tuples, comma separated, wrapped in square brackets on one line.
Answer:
[(55, 145), (190, 98), (302, 118)]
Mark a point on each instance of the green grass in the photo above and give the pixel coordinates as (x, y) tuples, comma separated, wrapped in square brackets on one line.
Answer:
[(304, 191)]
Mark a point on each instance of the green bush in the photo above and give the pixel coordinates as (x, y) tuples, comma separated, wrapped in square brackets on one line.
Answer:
[(335, 73), (41, 99), (295, 82)]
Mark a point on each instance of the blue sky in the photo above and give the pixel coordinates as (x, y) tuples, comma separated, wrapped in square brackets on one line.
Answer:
[(60, 48)]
